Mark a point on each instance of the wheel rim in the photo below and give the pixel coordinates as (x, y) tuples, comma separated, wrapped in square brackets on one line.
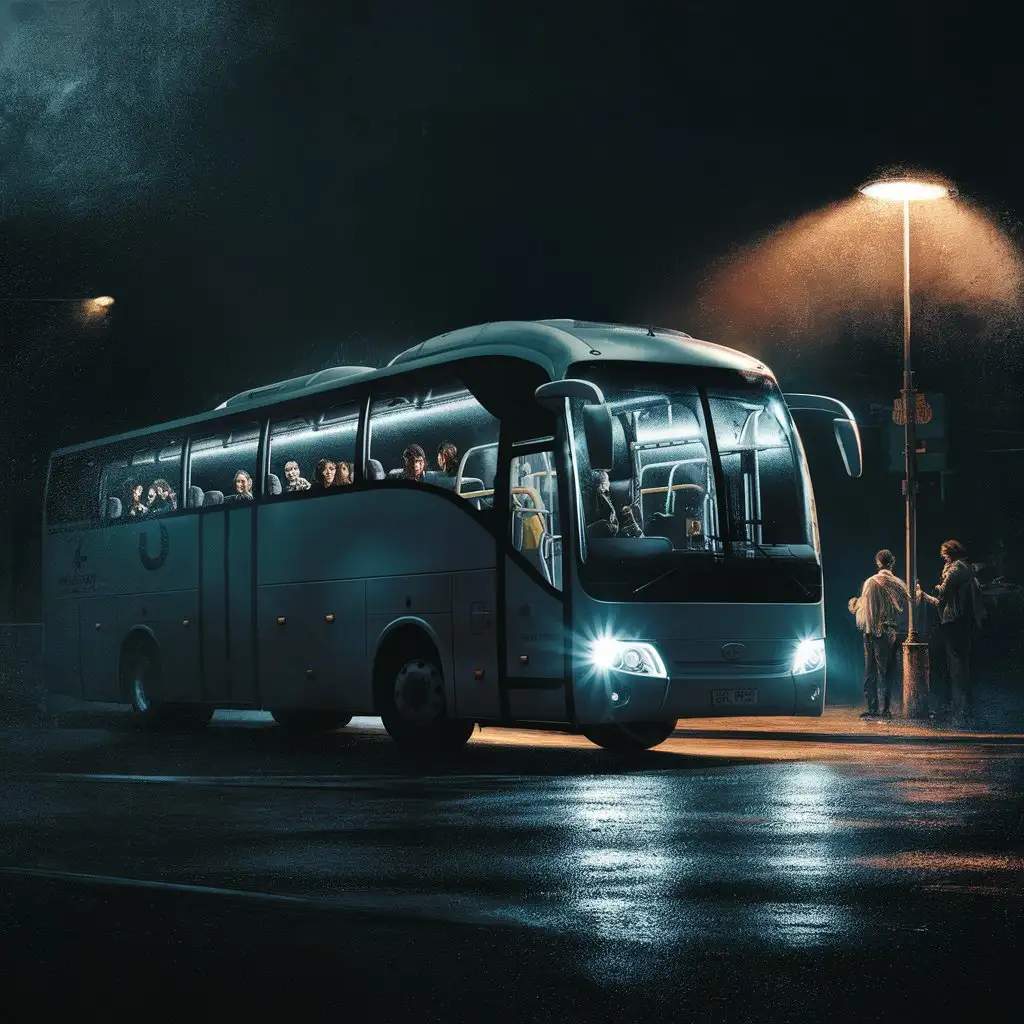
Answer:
[(419, 692), (142, 668)]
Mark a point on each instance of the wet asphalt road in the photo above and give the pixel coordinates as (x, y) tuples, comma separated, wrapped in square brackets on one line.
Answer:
[(726, 876)]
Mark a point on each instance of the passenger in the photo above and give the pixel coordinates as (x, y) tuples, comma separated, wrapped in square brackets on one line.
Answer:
[(448, 459), (150, 497), (603, 520), (296, 481), (961, 608), (414, 462), (324, 476), (136, 506), (166, 500), (344, 477), (243, 487)]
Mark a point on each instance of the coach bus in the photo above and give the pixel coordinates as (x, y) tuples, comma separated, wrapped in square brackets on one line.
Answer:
[(559, 522)]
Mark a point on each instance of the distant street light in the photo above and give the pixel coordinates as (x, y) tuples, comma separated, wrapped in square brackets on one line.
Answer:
[(915, 654)]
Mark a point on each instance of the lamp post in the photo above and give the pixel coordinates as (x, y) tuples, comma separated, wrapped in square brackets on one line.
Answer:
[(915, 653)]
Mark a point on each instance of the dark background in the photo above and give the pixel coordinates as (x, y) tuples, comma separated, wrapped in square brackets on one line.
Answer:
[(271, 188)]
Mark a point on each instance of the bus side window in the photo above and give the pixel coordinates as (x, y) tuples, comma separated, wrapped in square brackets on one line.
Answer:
[(225, 461), (313, 453), (533, 511), (73, 491), (436, 433)]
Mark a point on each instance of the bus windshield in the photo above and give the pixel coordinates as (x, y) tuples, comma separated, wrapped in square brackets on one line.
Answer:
[(708, 497)]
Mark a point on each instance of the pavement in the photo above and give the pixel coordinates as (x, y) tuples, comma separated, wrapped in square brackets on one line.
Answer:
[(747, 870)]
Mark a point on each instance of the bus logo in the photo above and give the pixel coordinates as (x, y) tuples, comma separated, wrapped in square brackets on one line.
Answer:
[(733, 652), (154, 561)]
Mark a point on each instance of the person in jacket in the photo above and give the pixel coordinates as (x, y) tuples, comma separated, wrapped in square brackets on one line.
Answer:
[(879, 611), (961, 609)]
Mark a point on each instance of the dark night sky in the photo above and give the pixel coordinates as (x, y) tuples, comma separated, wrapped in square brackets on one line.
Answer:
[(329, 182)]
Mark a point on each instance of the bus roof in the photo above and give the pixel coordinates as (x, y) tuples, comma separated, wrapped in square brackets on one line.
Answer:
[(553, 344)]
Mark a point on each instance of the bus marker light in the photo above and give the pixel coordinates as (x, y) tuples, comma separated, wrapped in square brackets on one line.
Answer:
[(98, 624), (524, 659), (184, 622), (309, 673), (478, 673), (615, 697), (281, 620), (329, 617)]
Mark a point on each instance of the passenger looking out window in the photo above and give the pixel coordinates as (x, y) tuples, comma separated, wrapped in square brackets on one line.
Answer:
[(325, 474), (294, 480), (136, 506), (163, 498), (414, 464), (344, 474), (243, 487)]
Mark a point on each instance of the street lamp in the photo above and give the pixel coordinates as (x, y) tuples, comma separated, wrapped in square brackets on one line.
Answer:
[(907, 190)]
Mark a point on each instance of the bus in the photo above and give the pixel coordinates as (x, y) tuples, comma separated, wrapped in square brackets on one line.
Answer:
[(555, 523)]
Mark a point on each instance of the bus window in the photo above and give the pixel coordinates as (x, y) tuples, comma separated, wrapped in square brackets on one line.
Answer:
[(73, 492), (135, 472), (533, 508), (225, 461), (436, 434), (314, 452)]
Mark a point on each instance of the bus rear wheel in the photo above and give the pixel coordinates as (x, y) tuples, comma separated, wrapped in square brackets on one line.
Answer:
[(142, 681), (413, 707), (629, 736), (309, 722)]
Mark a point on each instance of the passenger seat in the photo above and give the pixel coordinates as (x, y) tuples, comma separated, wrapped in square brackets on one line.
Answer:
[(213, 498), (195, 497), (113, 508)]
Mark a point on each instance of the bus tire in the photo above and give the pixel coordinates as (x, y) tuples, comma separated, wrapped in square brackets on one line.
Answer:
[(142, 682), (411, 701), (628, 736), (309, 722)]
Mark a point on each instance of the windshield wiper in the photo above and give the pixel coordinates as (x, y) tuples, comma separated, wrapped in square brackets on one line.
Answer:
[(771, 559)]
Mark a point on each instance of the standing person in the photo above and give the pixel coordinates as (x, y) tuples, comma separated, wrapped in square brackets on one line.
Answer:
[(961, 610), (883, 602)]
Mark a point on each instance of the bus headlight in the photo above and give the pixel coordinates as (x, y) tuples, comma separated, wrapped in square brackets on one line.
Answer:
[(808, 657), (632, 656)]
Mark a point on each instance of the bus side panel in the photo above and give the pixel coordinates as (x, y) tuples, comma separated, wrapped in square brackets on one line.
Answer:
[(61, 654), (173, 621), (100, 645), (399, 548), (475, 647), (313, 646)]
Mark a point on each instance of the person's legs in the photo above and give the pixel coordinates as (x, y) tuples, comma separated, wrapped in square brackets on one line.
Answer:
[(870, 675), (886, 647), (958, 653)]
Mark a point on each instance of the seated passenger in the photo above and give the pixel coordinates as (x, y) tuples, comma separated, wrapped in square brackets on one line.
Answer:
[(243, 487), (448, 459), (136, 506), (602, 518), (344, 476), (324, 475), (165, 499), (293, 476), (414, 462)]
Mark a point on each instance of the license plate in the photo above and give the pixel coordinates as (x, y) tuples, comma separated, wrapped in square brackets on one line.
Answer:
[(720, 698)]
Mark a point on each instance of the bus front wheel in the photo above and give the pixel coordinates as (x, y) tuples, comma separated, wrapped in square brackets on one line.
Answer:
[(413, 707), (629, 736), (309, 722)]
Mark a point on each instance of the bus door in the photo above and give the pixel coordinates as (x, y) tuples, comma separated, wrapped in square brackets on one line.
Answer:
[(220, 467), (227, 616), (535, 656)]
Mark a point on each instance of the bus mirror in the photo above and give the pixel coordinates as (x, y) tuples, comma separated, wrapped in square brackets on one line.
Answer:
[(553, 394), (845, 426), (597, 428), (848, 439)]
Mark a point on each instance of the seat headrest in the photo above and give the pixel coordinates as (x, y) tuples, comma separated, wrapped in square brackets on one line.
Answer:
[(213, 498), (470, 483), (374, 470), (195, 497), (113, 508), (273, 483)]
